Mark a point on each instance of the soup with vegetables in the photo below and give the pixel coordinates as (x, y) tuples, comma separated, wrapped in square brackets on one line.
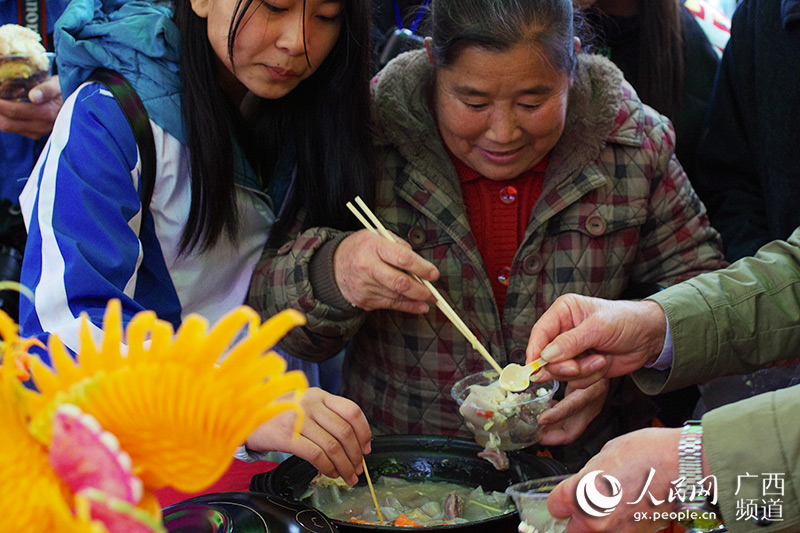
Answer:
[(406, 503)]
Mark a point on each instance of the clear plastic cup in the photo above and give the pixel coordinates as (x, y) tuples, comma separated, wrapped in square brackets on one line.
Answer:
[(507, 424), (20, 73), (530, 497)]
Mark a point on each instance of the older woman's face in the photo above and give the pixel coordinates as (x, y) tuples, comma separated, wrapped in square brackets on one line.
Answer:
[(501, 112)]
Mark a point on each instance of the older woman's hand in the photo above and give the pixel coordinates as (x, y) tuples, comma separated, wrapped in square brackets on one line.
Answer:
[(374, 273), (334, 437), (567, 420)]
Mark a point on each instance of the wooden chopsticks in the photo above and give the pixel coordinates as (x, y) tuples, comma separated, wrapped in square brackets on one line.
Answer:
[(374, 225), (372, 490)]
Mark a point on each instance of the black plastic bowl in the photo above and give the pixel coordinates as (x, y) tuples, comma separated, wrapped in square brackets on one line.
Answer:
[(421, 457)]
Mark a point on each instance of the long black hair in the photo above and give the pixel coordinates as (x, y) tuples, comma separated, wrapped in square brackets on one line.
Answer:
[(326, 120), (657, 72), (660, 82)]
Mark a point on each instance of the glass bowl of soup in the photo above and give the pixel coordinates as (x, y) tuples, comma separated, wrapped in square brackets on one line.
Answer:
[(500, 419)]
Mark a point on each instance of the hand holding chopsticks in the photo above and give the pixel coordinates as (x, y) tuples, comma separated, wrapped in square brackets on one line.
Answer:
[(371, 222)]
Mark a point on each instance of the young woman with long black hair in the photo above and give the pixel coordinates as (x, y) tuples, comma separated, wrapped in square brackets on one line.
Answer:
[(258, 109)]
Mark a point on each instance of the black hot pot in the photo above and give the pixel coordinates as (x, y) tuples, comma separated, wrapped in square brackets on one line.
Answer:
[(419, 457), (243, 512)]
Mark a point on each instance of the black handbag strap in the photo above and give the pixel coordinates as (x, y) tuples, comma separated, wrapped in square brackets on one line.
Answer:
[(137, 117)]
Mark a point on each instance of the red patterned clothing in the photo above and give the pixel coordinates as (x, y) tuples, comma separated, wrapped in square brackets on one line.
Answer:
[(498, 213)]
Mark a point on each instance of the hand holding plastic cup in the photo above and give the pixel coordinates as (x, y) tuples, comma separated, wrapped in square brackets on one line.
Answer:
[(530, 497), (24, 62)]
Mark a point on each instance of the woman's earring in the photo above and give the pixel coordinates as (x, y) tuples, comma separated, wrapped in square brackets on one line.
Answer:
[(428, 41)]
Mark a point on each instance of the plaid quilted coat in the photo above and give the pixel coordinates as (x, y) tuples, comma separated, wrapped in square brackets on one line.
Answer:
[(616, 210)]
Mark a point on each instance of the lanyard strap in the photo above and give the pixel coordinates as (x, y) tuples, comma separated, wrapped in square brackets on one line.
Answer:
[(417, 18), (135, 112), (33, 14)]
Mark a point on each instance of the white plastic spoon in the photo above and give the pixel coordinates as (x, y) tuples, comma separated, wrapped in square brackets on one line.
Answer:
[(517, 378)]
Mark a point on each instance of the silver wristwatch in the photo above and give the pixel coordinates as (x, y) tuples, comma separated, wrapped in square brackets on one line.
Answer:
[(697, 512), (690, 466)]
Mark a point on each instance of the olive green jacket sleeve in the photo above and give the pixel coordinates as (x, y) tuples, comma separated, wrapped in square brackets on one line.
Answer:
[(733, 321), (736, 321)]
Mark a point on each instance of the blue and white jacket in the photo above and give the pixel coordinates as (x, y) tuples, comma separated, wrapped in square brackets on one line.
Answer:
[(87, 242)]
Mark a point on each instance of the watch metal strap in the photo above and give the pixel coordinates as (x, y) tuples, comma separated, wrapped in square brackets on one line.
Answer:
[(690, 465)]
